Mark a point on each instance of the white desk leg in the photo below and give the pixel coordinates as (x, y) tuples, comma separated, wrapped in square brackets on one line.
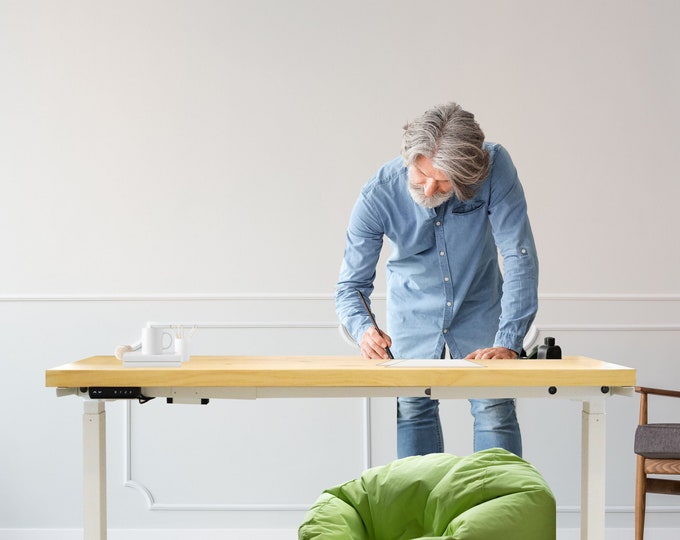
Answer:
[(593, 436), (94, 471)]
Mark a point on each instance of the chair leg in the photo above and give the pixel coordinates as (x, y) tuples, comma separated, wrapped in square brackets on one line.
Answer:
[(640, 498)]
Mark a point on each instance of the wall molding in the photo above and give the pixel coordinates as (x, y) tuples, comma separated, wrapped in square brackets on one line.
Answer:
[(154, 505), (609, 327), (245, 324), (146, 492), (613, 297), (183, 297), (198, 297)]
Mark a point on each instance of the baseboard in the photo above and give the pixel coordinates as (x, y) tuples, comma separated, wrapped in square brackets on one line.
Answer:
[(623, 534), (267, 534), (153, 534)]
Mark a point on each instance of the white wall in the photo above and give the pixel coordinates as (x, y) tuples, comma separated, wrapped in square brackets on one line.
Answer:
[(177, 160)]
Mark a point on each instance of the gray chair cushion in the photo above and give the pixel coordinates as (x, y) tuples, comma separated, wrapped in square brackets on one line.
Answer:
[(658, 441)]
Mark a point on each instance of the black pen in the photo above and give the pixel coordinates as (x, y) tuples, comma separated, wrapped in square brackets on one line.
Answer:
[(375, 324)]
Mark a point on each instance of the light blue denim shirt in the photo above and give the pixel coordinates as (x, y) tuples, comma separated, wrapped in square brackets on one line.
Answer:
[(444, 282)]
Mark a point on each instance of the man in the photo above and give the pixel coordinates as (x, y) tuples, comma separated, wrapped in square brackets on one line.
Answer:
[(447, 206)]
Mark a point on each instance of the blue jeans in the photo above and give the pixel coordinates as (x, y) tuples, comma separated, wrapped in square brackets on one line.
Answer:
[(419, 429)]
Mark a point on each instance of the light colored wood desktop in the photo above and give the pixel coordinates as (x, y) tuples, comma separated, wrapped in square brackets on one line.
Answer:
[(338, 371)]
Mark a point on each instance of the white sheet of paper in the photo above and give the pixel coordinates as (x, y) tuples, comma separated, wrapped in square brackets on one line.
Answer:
[(427, 363)]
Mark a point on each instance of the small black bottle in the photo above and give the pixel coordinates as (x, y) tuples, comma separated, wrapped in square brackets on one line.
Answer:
[(549, 350)]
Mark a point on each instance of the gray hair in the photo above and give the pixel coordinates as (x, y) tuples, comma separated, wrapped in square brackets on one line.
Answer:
[(450, 137)]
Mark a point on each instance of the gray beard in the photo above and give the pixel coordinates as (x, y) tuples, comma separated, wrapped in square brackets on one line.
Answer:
[(419, 197)]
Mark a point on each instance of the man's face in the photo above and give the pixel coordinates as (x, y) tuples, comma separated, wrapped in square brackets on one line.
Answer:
[(428, 186)]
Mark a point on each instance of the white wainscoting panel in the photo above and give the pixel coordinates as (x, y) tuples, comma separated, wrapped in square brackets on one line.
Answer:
[(240, 465), (269, 454)]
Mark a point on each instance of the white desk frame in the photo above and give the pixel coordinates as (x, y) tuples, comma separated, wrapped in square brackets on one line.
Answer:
[(593, 435)]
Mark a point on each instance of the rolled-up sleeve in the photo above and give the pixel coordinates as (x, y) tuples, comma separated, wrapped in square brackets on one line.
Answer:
[(514, 238), (358, 270)]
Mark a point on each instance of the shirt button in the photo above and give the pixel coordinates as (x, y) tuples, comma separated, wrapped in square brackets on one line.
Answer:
[(438, 223), (446, 278), (449, 304), (441, 253), (524, 251), (445, 330)]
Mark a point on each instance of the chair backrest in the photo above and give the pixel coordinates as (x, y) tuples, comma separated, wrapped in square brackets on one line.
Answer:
[(658, 453), (657, 440)]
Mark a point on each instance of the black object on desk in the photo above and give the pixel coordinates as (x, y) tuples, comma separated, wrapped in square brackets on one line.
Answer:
[(549, 350)]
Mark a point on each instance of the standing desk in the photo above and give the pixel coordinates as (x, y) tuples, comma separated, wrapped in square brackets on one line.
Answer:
[(102, 378)]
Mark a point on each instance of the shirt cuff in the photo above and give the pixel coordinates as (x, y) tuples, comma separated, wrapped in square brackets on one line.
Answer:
[(509, 341)]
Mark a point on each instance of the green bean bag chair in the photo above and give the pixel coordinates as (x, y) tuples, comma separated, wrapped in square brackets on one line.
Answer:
[(489, 495)]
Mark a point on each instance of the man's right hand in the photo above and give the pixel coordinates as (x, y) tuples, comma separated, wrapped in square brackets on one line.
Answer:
[(373, 344)]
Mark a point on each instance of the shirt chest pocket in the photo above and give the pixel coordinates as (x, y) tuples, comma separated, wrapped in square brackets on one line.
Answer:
[(467, 208)]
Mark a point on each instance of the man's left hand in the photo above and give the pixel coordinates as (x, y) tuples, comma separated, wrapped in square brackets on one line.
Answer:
[(493, 353)]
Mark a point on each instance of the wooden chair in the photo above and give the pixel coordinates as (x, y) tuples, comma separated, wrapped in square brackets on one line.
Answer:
[(658, 453)]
